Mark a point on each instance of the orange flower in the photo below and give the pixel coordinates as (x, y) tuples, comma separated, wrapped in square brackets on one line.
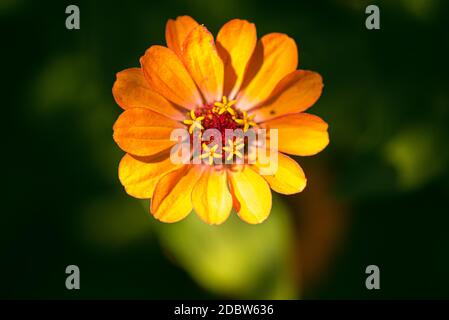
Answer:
[(198, 83)]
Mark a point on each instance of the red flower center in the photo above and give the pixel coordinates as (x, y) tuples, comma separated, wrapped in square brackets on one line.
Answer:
[(221, 116), (221, 122)]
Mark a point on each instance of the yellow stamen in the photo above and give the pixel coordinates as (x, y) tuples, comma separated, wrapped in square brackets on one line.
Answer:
[(194, 122), (224, 106), (233, 148), (246, 121), (210, 153)]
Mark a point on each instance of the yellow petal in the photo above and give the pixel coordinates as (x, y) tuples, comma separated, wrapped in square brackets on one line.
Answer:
[(171, 200), (251, 195), (131, 90), (236, 41), (177, 30), (203, 63), (288, 178), (300, 134), (295, 93), (167, 76), (275, 56), (143, 132), (140, 175), (211, 198)]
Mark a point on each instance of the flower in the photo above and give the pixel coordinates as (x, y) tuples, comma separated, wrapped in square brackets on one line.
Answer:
[(246, 121), (210, 153), (194, 122), (234, 147), (197, 83)]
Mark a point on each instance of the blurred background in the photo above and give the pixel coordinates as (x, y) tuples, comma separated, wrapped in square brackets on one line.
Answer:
[(377, 195)]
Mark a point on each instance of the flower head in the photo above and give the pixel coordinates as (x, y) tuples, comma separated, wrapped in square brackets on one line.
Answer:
[(197, 83)]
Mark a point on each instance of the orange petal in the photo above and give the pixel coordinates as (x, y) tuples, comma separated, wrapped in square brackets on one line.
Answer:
[(295, 93), (140, 175), (131, 90), (172, 197), (287, 178), (203, 63), (143, 132), (275, 56), (211, 198), (177, 30), (251, 195), (167, 76), (236, 41), (300, 134)]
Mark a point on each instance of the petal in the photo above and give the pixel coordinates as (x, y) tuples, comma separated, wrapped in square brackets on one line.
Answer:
[(167, 76), (172, 196), (295, 93), (211, 198), (201, 59), (300, 134), (177, 30), (131, 90), (275, 56), (140, 175), (287, 178), (143, 132), (236, 41), (251, 195)]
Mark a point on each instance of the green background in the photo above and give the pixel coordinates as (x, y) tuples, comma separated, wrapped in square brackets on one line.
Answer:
[(376, 195)]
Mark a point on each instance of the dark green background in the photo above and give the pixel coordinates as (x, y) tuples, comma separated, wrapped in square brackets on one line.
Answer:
[(377, 195)]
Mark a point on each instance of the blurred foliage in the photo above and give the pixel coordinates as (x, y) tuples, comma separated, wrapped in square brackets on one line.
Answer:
[(113, 224), (387, 104), (419, 154), (236, 259)]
